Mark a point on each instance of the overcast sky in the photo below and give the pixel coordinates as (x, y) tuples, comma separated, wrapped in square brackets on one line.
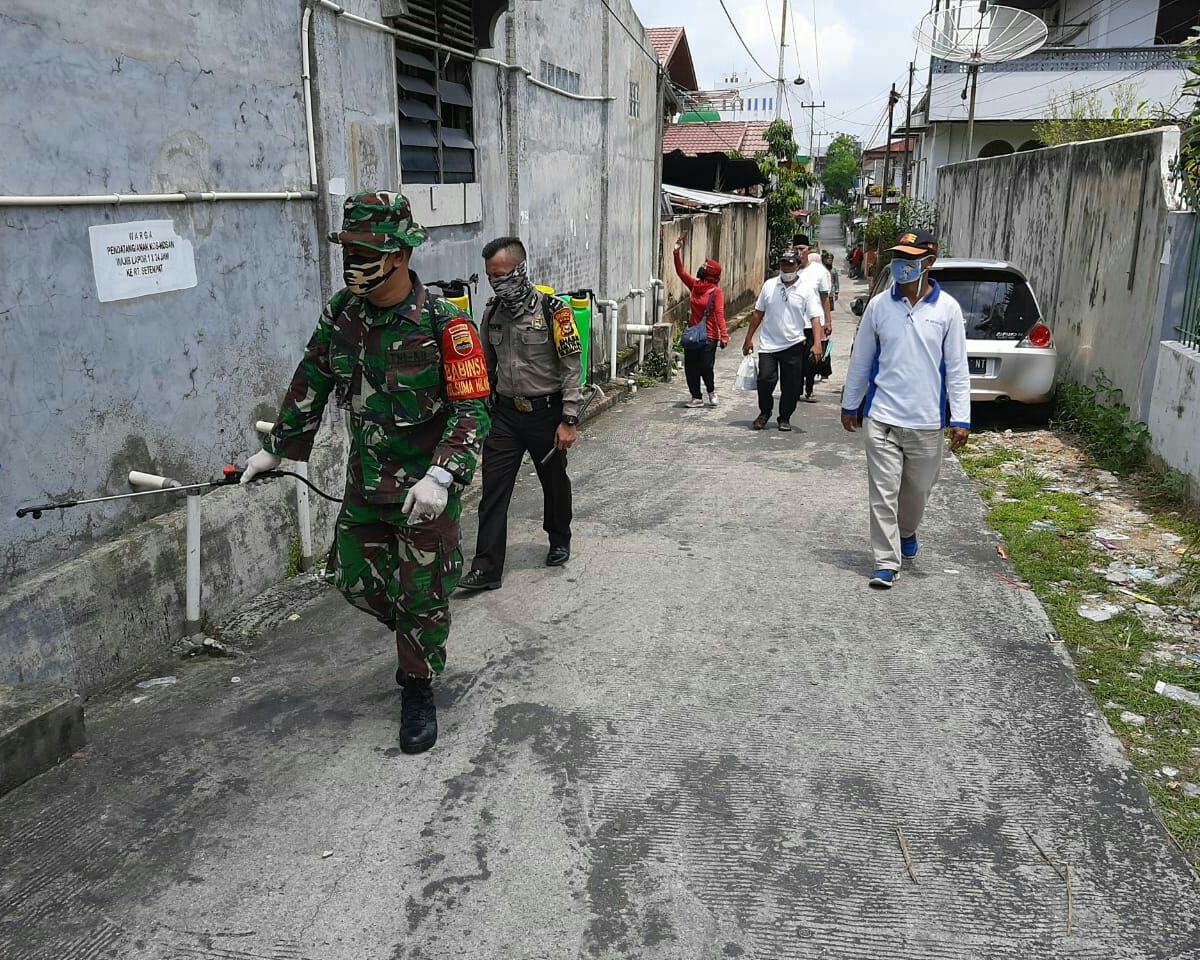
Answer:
[(864, 45)]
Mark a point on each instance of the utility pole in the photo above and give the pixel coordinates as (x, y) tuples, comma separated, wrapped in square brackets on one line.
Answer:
[(893, 99), (907, 132), (812, 160), (779, 74)]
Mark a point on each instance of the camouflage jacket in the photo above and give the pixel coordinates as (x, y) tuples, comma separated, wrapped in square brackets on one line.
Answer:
[(413, 378)]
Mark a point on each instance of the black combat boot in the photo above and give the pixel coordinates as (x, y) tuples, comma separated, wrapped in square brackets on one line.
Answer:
[(418, 715)]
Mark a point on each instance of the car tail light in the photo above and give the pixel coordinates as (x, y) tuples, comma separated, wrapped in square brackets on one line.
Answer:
[(1039, 336)]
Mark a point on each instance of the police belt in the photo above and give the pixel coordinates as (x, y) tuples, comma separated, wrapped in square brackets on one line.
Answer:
[(528, 404)]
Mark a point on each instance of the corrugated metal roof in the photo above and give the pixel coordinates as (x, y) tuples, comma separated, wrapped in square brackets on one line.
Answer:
[(709, 199)]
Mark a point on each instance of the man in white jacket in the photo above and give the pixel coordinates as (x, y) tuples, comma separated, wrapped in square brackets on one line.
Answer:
[(908, 365)]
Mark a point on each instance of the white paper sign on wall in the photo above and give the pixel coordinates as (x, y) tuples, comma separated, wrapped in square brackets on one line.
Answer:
[(140, 258)]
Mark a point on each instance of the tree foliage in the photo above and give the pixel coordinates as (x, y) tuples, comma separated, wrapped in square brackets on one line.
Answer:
[(883, 229), (1080, 115), (786, 183), (1191, 131), (842, 162)]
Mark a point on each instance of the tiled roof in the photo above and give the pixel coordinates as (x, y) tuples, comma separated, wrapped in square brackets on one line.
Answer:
[(897, 146), (663, 40), (746, 137), (671, 46)]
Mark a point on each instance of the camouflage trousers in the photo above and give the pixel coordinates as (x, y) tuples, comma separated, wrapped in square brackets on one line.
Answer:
[(402, 574)]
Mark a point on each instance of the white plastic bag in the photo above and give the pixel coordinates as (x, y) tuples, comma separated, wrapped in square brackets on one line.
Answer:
[(747, 374)]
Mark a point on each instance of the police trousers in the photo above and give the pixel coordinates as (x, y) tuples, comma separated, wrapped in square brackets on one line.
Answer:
[(512, 434), (402, 574)]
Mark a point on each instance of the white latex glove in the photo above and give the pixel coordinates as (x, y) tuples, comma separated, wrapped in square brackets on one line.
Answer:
[(261, 462), (425, 501)]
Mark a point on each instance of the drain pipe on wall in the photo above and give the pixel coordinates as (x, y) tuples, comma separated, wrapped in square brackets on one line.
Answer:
[(640, 329), (306, 75), (610, 307), (660, 296), (303, 511), (149, 481)]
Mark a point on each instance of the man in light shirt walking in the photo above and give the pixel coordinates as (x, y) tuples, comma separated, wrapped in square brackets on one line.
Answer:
[(909, 363), (789, 315)]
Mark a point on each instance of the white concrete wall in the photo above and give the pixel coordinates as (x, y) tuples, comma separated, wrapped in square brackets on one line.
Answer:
[(1088, 223), (1174, 419)]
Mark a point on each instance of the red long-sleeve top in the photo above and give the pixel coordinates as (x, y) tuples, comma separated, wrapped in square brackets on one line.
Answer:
[(701, 291)]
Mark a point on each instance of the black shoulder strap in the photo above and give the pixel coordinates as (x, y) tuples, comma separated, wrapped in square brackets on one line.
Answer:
[(549, 308)]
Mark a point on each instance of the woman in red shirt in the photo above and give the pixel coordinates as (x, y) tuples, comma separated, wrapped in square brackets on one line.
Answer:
[(708, 305)]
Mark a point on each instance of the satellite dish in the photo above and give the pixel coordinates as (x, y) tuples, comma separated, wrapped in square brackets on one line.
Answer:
[(975, 32)]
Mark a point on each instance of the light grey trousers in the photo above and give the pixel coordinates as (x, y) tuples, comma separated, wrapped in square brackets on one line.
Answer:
[(902, 467)]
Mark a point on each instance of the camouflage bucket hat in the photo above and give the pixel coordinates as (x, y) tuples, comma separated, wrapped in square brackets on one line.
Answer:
[(380, 221)]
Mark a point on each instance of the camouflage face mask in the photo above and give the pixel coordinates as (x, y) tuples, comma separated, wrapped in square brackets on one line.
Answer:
[(364, 274), (513, 288)]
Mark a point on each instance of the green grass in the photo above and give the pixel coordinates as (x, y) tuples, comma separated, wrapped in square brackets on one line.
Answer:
[(1056, 564)]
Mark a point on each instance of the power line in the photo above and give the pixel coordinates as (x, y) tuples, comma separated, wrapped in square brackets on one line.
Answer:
[(816, 47), (738, 34), (650, 56)]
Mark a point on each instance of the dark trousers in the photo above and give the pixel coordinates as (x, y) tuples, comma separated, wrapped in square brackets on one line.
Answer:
[(786, 368), (699, 364), (810, 365), (513, 433)]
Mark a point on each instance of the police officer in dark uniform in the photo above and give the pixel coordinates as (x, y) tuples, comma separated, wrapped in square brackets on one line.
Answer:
[(534, 359)]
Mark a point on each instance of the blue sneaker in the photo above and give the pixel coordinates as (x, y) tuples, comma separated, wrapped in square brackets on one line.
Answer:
[(909, 547), (883, 579)]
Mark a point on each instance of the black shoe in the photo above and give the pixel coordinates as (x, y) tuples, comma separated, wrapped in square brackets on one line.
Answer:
[(809, 398), (785, 426), (760, 422), (418, 715), (478, 580), (558, 556)]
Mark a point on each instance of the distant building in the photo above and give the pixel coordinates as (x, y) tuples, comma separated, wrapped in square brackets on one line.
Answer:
[(735, 99)]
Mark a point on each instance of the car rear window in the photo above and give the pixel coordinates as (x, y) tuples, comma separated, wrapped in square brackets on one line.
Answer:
[(995, 305)]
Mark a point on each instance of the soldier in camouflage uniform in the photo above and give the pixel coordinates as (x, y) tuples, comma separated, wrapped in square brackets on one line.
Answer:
[(410, 370)]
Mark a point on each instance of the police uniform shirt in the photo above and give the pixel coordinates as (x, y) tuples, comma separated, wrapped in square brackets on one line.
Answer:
[(529, 355)]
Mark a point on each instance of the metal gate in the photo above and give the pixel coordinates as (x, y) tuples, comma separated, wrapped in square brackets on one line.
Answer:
[(1188, 326)]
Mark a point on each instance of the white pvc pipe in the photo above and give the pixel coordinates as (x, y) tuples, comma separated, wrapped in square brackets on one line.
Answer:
[(464, 54), (303, 509), (150, 481), (80, 200), (640, 328), (305, 517), (610, 306), (306, 74), (193, 563), (660, 296)]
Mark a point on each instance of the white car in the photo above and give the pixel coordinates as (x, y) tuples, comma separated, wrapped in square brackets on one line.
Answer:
[(1010, 348)]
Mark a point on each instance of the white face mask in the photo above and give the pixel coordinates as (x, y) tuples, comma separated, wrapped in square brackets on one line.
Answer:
[(789, 276)]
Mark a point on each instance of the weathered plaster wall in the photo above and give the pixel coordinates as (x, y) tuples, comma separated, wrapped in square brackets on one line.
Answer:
[(1174, 419), (151, 97), (736, 237), (1087, 222)]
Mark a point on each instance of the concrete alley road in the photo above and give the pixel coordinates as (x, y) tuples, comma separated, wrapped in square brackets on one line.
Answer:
[(700, 739)]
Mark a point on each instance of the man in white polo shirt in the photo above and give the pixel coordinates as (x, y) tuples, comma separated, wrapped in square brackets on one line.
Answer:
[(789, 315), (909, 362)]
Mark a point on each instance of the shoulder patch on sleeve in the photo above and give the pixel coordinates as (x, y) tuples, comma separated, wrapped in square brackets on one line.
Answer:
[(566, 334), (463, 365)]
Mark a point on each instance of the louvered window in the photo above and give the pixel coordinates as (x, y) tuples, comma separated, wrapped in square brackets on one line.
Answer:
[(436, 124)]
